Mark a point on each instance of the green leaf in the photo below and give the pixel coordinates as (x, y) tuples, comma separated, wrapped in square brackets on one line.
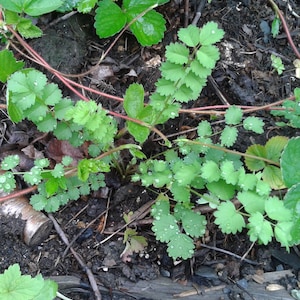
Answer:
[(190, 35), (109, 19), (180, 193), (260, 229), (7, 182), (85, 6), (184, 173), (181, 246), (148, 29), (208, 56), (247, 181), (274, 147), (255, 124), (58, 171), (193, 223), (272, 175), (199, 69), (165, 228), (48, 123), (177, 53), (9, 162), (228, 219), (228, 172), (221, 189), (8, 64), (276, 210), (290, 162), (139, 132), (228, 136), (27, 29), (275, 26), (134, 100), (252, 202), (172, 71), (33, 7), (233, 115), (15, 286), (210, 171), (210, 34), (282, 233), (33, 176), (204, 129), (255, 164)]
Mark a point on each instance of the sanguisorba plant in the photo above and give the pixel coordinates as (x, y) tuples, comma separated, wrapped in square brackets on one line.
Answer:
[(193, 171)]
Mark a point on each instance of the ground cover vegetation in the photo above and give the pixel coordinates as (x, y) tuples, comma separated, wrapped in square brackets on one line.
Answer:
[(240, 187)]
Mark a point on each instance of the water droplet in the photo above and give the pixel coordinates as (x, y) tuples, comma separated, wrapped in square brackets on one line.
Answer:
[(2, 179)]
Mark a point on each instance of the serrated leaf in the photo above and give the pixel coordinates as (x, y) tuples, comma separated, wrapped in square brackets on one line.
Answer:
[(254, 124), (290, 162), (204, 129), (228, 172), (85, 6), (9, 162), (221, 189), (181, 246), (139, 132), (228, 219), (62, 107), (228, 136), (8, 64), (199, 69), (272, 175), (58, 171), (282, 233), (246, 181), (172, 71), (193, 223), (7, 182), (274, 147), (252, 202), (38, 202), (165, 87), (32, 8), (33, 176), (134, 100), (275, 27), (149, 29), (259, 229), (165, 228), (276, 211), (195, 83), (208, 56), (109, 19), (48, 123), (255, 164), (210, 33), (233, 115), (210, 171), (13, 285), (180, 193), (184, 93), (63, 131), (177, 53), (190, 35), (26, 28)]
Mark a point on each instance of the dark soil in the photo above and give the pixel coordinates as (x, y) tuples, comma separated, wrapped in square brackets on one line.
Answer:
[(243, 75)]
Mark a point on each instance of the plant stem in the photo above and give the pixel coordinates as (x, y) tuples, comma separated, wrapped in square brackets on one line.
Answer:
[(285, 27), (271, 162)]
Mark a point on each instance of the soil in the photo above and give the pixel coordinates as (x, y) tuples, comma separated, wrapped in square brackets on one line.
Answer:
[(243, 75)]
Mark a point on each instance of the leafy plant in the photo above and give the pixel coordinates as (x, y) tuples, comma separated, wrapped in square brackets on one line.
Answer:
[(277, 64), (147, 25), (14, 286), (290, 111), (184, 74)]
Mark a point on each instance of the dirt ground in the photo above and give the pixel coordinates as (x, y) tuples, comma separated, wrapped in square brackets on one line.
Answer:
[(243, 75)]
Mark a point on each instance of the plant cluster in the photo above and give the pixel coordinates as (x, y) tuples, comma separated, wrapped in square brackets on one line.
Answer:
[(204, 170)]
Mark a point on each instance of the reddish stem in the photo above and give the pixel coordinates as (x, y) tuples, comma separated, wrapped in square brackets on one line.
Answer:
[(285, 27)]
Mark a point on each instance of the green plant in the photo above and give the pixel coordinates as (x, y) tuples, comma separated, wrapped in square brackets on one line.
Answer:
[(183, 76), (290, 110), (277, 64), (204, 170), (14, 286)]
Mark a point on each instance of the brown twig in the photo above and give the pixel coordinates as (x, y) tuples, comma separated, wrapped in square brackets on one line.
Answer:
[(78, 258)]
